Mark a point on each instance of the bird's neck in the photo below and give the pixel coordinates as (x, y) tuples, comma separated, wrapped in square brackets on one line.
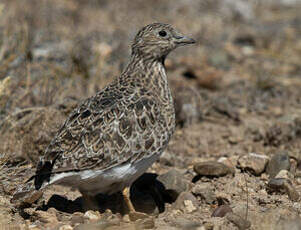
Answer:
[(151, 74)]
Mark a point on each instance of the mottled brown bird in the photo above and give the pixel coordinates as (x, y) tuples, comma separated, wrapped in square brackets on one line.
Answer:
[(111, 139)]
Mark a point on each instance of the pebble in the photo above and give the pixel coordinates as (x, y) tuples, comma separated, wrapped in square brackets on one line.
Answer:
[(211, 168), (126, 218), (77, 218), (137, 216), (284, 174), (166, 159), (92, 215), (221, 210), (223, 198), (174, 183), (283, 185), (186, 202), (66, 227), (101, 224), (226, 161), (278, 162), (240, 222), (46, 217), (253, 162), (205, 191), (148, 223)]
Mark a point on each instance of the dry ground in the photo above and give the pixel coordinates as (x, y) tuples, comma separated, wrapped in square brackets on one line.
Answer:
[(236, 92)]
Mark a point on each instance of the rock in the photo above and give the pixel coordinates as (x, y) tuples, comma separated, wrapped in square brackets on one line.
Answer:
[(284, 186), (148, 223), (77, 218), (278, 162), (126, 218), (211, 168), (284, 174), (48, 216), (174, 183), (205, 191), (20, 198), (185, 224), (240, 222), (223, 198), (166, 159), (226, 161), (221, 211), (66, 227), (186, 202), (137, 216), (253, 162), (92, 215), (99, 225)]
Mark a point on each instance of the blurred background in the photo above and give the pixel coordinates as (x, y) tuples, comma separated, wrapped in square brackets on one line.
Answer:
[(236, 91)]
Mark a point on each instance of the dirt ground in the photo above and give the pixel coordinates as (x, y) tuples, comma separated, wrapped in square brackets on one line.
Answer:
[(237, 146)]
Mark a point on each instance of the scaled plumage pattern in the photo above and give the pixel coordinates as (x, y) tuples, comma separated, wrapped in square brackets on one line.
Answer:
[(111, 139)]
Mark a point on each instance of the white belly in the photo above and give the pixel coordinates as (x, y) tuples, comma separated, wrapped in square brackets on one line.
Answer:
[(108, 181)]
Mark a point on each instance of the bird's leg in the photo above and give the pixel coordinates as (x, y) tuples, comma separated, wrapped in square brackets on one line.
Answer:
[(133, 214), (126, 197)]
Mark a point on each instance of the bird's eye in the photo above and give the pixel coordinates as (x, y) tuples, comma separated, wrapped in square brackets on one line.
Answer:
[(162, 33)]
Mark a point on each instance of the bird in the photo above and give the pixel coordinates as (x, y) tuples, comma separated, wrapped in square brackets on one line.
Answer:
[(113, 137)]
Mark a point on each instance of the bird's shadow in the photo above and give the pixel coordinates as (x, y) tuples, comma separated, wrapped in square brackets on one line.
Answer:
[(148, 195)]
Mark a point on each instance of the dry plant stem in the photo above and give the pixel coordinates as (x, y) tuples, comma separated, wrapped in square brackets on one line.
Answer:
[(247, 191)]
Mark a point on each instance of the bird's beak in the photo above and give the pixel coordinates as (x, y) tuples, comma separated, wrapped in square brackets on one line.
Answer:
[(183, 40)]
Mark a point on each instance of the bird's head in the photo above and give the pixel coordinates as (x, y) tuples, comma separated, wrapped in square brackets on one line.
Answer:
[(157, 40)]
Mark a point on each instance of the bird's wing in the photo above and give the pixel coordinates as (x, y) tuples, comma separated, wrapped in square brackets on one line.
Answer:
[(104, 131)]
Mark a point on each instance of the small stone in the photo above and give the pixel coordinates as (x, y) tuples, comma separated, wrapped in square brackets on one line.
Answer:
[(77, 218), (166, 159), (45, 217), (174, 183), (291, 191), (278, 162), (126, 218), (184, 223), (31, 227), (100, 224), (148, 223), (66, 227), (186, 202), (226, 161), (137, 216), (211, 168), (92, 215), (189, 206), (253, 162), (240, 222), (205, 191), (284, 186), (221, 211), (284, 174), (223, 198)]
